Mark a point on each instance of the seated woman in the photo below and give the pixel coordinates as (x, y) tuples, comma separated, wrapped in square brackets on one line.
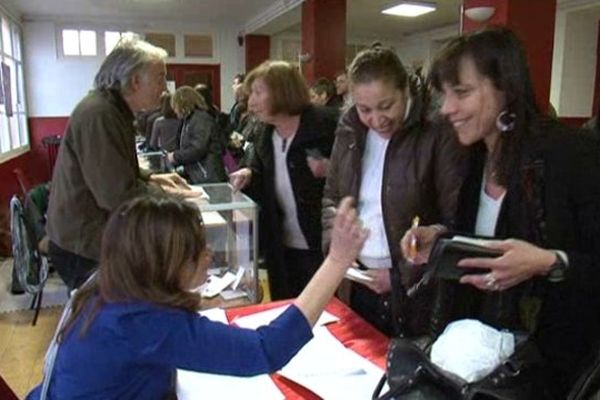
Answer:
[(534, 185), (136, 321), (200, 145)]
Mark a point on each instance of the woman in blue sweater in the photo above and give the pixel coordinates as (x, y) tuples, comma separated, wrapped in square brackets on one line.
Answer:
[(134, 324)]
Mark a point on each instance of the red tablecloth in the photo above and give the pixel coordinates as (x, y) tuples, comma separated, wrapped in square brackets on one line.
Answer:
[(352, 331)]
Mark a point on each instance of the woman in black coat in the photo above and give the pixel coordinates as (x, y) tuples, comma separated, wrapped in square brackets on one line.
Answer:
[(200, 147), (286, 173), (535, 186)]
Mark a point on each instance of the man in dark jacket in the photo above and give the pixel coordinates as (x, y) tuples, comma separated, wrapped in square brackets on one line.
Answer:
[(97, 167)]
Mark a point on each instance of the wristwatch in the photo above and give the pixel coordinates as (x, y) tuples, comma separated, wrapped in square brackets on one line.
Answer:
[(558, 270)]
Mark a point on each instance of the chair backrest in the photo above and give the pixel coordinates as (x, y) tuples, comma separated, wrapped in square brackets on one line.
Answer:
[(30, 266), (24, 182)]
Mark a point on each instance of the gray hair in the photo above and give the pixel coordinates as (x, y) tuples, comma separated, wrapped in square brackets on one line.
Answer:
[(130, 55)]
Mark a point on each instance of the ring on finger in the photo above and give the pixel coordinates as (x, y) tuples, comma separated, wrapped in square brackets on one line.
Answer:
[(490, 281)]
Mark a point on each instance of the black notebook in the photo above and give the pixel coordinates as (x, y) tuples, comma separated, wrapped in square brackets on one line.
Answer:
[(449, 250)]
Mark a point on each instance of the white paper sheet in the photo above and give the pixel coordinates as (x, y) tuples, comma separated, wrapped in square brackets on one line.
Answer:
[(331, 370), (215, 314), (265, 317), (200, 386)]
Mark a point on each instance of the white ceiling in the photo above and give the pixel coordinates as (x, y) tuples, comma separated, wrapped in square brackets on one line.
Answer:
[(185, 10), (363, 16), (363, 20)]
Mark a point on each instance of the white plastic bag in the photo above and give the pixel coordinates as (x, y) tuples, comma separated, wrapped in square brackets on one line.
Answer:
[(471, 349)]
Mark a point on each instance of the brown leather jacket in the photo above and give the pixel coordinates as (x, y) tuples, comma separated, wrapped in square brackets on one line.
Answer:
[(422, 175), (96, 171)]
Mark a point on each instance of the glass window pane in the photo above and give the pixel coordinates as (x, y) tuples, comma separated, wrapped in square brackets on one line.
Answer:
[(6, 42), (23, 131), (15, 140), (13, 84), (20, 106), (88, 43), (4, 134), (70, 42), (16, 39), (110, 40)]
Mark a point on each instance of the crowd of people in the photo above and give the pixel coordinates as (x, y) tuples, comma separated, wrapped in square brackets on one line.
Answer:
[(339, 169)]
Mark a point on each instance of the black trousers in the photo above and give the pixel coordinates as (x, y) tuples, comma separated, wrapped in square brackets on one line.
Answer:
[(299, 266), (73, 269), (374, 308)]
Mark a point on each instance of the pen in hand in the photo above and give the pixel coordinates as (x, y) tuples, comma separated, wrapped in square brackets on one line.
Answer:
[(413, 250)]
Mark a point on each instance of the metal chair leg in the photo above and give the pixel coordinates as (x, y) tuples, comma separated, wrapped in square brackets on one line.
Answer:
[(39, 296)]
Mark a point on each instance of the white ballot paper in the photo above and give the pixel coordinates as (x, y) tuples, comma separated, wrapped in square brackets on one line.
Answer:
[(332, 371), (200, 386), (256, 320)]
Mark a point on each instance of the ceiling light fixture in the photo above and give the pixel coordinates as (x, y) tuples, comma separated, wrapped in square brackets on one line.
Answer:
[(410, 9), (480, 14)]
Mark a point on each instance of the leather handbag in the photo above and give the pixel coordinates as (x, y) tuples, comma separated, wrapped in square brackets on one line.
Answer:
[(412, 376)]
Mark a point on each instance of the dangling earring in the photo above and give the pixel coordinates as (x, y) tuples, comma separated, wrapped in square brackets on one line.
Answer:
[(505, 121)]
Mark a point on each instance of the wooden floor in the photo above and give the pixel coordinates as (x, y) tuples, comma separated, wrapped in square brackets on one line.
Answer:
[(23, 347)]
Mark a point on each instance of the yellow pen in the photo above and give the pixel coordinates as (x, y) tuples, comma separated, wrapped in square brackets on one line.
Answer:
[(413, 239)]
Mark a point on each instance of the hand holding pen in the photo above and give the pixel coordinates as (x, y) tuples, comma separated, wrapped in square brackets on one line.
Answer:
[(417, 241)]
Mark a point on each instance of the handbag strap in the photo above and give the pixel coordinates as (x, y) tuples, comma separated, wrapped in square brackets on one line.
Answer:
[(50, 358)]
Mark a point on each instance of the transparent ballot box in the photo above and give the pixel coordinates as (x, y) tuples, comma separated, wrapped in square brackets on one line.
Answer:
[(231, 225), (155, 161)]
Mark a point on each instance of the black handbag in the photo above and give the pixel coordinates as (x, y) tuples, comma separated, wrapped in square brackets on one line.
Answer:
[(412, 376)]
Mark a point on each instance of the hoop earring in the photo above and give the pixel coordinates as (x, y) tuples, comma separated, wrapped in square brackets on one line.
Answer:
[(505, 121)]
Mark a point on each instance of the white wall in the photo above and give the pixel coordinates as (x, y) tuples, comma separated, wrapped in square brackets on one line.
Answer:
[(574, 62), (55, 83), (414, 49)]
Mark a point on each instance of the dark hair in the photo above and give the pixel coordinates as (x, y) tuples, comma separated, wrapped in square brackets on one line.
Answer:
[(149, 245), (165, 106), (324, 85), (498, 55), (288, 90), (206, 92), (378, 63), (240, 77)]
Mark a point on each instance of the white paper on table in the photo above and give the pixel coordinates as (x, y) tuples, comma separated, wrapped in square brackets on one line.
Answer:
[(262, 318), (215, 314), (215, 285), (199, 386), (332, 371)]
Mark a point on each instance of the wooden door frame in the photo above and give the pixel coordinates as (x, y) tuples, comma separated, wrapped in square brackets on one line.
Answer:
[(214, 70)]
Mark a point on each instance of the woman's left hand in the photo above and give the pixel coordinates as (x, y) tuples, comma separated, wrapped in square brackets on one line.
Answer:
[(381, 280), (318, 166), (521, 261)]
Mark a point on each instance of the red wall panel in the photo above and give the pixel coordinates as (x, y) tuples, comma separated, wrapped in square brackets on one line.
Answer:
[(257, 49), (34, 164), (320, 20)]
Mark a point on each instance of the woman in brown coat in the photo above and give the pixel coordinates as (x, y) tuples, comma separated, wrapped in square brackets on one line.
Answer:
[(388, 157)]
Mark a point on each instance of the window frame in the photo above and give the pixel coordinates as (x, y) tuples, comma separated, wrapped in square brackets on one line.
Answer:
[(18, 95)]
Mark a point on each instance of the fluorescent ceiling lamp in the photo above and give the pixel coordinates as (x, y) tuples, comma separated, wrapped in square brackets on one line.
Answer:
[(410, 9)]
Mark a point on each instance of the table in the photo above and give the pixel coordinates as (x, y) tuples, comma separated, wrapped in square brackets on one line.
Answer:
[(354, 333)]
